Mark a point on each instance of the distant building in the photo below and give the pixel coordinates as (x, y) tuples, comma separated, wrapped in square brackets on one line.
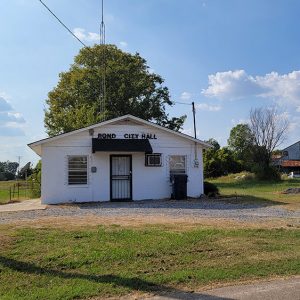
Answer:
[(289, 160)]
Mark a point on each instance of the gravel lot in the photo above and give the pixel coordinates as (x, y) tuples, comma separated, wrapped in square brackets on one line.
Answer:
[(193, 209)]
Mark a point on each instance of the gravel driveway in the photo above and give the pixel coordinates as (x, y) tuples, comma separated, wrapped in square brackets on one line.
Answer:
[(192, 209)]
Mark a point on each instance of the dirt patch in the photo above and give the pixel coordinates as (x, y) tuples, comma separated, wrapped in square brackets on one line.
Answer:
[(292, 191), (5, 241), (69, 222)]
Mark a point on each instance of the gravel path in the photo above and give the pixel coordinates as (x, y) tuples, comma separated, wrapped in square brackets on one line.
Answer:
[(176, 209)]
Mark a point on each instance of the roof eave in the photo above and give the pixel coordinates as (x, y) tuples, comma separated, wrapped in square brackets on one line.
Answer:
[(128, 116)]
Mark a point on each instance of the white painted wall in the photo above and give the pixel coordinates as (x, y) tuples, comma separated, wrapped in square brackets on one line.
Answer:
[(148, 182)]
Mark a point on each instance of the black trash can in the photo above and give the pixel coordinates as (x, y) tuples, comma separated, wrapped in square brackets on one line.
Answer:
[(179, 186)]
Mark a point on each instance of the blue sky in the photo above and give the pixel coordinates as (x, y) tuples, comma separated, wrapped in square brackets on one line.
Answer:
[(226, 55)]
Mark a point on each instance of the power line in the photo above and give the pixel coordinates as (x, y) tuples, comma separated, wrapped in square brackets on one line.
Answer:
[(65, 26), (194, 115), (102, 95)]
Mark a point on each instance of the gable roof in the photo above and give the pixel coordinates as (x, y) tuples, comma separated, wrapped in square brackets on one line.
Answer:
[(291, 145), (36, 146)]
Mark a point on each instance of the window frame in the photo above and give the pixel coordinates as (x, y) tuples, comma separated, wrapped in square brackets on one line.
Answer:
[(148, 155), (77, 184)]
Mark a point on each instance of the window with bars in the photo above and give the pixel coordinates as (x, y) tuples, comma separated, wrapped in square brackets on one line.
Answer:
[(77, 170), (177, 164), (153, 160)]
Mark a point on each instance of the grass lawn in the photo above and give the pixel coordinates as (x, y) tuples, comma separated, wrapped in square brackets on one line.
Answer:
[(4, 191), (71, 263), (254, 190)]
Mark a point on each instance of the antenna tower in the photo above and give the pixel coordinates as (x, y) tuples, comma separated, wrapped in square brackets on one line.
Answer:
[(102, 97)]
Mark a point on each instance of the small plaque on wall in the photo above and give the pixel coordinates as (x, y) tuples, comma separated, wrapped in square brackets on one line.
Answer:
[(93, 169)]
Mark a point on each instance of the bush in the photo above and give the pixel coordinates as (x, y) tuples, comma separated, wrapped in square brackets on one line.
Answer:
[(244, 176), (266, 173), (210, 189), (4, 176)]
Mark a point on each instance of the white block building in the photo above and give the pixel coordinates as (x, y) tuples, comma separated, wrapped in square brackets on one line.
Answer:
[(125, 158)]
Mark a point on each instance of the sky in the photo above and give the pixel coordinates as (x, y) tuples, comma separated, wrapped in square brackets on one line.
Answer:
[(228, 56)]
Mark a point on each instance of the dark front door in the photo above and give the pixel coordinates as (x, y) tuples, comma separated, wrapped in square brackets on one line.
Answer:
[(120, 177)]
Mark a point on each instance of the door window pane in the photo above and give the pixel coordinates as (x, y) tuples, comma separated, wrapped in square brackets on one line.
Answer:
[(177, 164)]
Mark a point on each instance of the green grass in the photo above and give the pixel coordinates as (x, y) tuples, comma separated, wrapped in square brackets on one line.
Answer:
[(5, 193), (268, 192), (47, 263)]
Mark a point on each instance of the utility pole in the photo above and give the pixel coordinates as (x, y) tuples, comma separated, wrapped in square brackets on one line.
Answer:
[(194, 116), (19, 162)]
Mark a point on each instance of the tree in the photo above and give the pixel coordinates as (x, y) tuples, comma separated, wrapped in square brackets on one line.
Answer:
[(130, 89), (241, 142), (35, 179), (25, 171), (8, 170), (219, 161), (214, 143), (268, 129)]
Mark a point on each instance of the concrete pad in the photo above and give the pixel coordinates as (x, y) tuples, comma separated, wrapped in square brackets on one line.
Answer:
[(280, 289), (33, 204)]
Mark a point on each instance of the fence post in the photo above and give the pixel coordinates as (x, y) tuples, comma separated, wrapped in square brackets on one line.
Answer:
[(10, 194), (18, 191)]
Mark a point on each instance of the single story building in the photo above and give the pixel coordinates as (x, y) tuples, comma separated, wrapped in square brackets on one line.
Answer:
[(289, 159), (126, 158)]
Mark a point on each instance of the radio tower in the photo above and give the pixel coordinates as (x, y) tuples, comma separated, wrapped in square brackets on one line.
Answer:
[(102, 96)]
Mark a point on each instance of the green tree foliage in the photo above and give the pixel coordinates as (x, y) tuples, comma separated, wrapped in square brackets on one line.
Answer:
[(8, 170), (25, 171), (241, 142), (219, 161), (130, 89), (37, 172), (35, 178)]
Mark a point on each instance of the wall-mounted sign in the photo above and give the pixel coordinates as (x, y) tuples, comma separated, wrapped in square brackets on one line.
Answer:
[(150, 136)]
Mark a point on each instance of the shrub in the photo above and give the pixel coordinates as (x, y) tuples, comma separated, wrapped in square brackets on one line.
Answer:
[(266, 173), (210, 189), (244, 176)]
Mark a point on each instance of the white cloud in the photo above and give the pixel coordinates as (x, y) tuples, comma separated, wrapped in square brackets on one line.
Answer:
[(4, 105), (240, 121), (10, 117), (294, 125), (230, 85), (11, 122), (123, 44), (185, 96), (83, 35), (207, 107)]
